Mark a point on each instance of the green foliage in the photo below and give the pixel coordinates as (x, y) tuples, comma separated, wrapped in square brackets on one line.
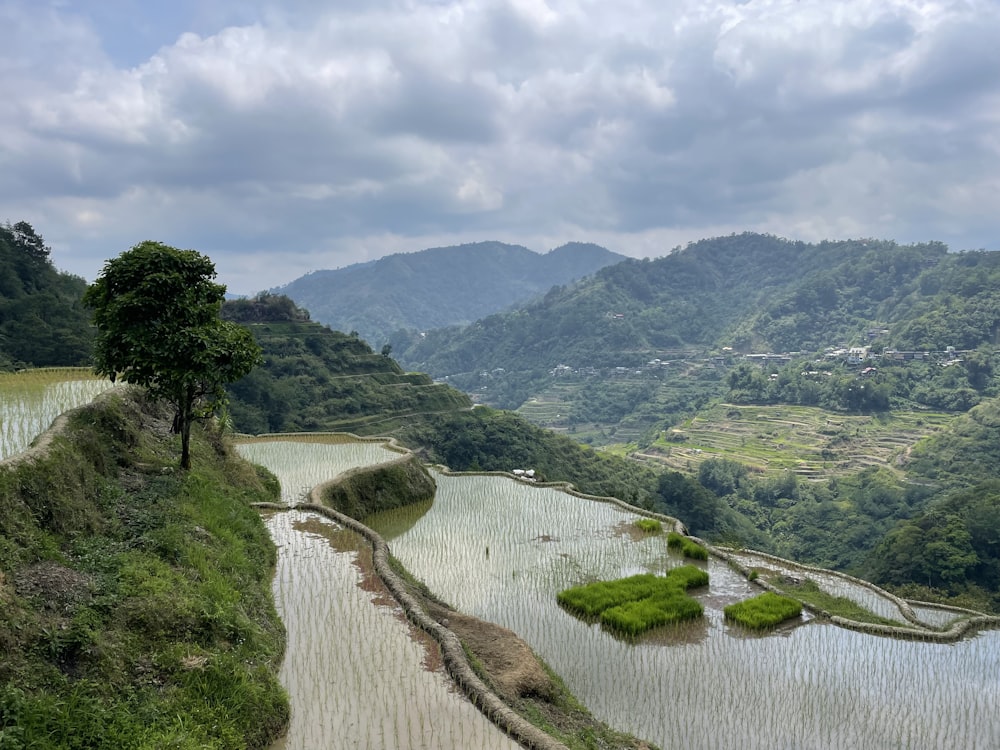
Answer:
[(703, 512), (763, 611), (156, 309), (649, 525), (688, 547), (136, 600), (313, 378), (411, 292), (631, 606), (953, 545), (809, 592), (362, 492), (42, 320)]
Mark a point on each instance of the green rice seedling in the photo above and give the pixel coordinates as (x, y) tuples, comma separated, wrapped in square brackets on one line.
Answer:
[(636, 617), (764, 611), (687, 547), (591, 599), (649, 525), (633, 605)]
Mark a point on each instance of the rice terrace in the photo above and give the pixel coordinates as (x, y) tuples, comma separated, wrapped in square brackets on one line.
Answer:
[(363, 670)]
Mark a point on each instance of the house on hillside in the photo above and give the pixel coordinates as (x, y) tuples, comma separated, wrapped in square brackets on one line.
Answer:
[(857, 354)]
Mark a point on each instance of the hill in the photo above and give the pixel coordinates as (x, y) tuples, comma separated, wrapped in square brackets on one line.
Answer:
[(439, 286), (135, 601), (42, 320), (315, 378)]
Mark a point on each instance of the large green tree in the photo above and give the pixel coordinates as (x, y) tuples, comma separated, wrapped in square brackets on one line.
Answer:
[(156, 309)]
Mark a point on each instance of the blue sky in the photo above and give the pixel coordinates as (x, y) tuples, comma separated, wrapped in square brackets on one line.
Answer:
[(284, 137)]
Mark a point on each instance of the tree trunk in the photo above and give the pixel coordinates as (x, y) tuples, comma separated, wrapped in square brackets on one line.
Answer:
[(185, 417)]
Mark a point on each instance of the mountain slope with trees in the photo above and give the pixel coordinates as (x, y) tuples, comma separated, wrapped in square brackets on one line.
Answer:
[(614, 333), (43, 321), (439, 286)]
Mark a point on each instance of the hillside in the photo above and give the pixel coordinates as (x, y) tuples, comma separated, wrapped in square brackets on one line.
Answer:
[(643, 344), (439, 286), (314, 378), (42, 320), (135, 602)]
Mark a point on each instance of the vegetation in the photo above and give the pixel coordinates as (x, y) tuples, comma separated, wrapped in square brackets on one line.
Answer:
[(362, 492), (649, 525), (952, 548), (408, 293), (314, 378), (631, 606), (688, 547), (157, 314), (42, 320), (136, 600), (763, 611), (809, 592)]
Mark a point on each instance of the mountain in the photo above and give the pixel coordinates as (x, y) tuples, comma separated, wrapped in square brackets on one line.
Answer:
[(42, 319), (439, 286), (723, 298)]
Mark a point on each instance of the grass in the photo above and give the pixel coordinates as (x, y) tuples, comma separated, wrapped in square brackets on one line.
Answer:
[(764, 611), (688, 548), (631, 606), (809, 592), (137, 609)]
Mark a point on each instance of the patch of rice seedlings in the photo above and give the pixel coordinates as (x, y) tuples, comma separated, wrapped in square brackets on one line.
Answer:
[(688, 547), (764, 611), (631, 606), (649, 525)]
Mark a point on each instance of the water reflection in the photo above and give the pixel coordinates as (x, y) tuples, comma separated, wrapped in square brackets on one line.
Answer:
[(811, 686)]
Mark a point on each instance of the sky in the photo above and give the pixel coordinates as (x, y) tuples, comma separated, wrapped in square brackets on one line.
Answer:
[(284, 137)]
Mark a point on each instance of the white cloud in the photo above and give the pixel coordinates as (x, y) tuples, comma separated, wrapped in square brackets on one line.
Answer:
[(303, 135)]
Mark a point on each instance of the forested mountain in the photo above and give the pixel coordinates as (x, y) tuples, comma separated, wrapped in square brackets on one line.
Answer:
[(440, 286), (728, 297), (42, 320), (750, 292)]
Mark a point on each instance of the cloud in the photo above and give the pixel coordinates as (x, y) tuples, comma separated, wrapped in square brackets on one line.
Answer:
[(286, 137)]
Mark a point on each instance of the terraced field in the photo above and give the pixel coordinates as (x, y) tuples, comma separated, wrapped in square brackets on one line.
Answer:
[(811, 442)]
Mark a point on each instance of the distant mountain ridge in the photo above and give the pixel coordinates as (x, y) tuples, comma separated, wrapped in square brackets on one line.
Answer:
[(440, 286)]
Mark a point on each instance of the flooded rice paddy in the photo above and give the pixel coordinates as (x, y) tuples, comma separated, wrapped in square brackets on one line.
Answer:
[(501, 550), (301, 463), (357, 672), (359, 675), (31, 399)]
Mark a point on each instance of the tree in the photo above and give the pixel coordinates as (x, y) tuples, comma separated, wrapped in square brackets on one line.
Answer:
[(156, 309)]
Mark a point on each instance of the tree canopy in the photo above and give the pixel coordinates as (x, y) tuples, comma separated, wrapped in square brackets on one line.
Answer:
[(157, 312)]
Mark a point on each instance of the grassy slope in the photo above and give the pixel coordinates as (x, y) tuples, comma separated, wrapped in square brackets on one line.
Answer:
[(136, 608)]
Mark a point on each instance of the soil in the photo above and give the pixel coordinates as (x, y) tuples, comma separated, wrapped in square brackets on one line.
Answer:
[(512, 667), (56, 587)]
